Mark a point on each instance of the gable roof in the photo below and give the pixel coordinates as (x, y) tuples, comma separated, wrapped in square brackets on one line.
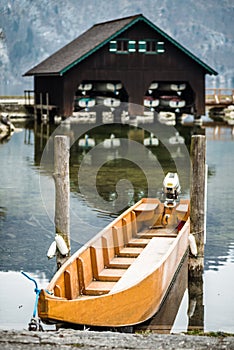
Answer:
[(92, 40)]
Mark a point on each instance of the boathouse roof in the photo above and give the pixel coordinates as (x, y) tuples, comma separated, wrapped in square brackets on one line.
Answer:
[(92, 40)]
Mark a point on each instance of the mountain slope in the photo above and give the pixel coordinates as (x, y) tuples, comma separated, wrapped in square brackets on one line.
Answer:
[(32, 30)]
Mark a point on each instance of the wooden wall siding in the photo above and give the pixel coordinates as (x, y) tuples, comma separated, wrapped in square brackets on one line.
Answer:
[(52, 85), (135, 70)]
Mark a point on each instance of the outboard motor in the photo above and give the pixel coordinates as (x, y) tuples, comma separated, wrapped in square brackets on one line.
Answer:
[(171, 189)]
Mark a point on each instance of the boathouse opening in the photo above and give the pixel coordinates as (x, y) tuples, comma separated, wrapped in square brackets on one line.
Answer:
[(171, 96), (108, 94)]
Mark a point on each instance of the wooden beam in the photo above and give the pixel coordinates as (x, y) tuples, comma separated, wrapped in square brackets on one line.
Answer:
[(62, 193), (197, 201)]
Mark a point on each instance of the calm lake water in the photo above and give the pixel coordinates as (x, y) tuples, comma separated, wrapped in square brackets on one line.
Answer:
[(103, 181)]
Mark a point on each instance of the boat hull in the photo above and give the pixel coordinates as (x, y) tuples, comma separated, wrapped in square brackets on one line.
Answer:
[(123, 307)]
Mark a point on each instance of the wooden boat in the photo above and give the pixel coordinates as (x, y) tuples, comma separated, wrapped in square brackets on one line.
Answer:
[(121, 276), (111, 102), (86, 102), (111, 87), (178, 87), (167, 118), (172, 86), (151, 141), (150, 102), (86, 142), (177, 139), (112, 142), (229, 115), (172, 101), (85, 87), (153, 86)]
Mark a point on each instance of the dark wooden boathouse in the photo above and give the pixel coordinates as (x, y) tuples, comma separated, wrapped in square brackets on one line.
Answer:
[(128, 59)]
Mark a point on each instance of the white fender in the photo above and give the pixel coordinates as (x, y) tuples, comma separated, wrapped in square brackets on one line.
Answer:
[(61, 245), (192, 244), (192, 307), (52, 250)]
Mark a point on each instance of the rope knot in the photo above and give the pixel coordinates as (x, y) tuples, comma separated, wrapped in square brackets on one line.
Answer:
[(37, 290)]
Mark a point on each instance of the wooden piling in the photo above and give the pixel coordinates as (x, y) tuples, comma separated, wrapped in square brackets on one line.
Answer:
[(47, 106), (197, 202), (196, 304), (41, 104), (62, 193), (35, 107)]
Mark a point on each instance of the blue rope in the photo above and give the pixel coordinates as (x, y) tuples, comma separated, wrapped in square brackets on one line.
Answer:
[(36, 290)]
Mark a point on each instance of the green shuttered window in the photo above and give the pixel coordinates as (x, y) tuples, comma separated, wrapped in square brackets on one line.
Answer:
[(132, 46), (142, 46), (160, 47), (147, 46), (113, 46)]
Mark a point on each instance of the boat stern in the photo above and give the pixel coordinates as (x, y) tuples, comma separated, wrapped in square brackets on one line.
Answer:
[(42, 307)]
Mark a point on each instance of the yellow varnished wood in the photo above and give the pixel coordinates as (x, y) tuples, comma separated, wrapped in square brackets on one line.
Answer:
[(99, 288), (138, 242), (121, 276), (109, 274)]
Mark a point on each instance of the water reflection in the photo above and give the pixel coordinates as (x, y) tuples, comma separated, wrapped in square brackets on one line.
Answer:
[(18, 296), (114, 147), (26, 223), (220, 198)]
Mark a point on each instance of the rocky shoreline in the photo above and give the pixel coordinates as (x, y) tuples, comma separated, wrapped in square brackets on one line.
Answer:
[(73, 339)]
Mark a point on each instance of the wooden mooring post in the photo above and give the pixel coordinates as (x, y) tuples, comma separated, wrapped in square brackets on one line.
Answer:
[(62, 197), (47, 106), (197, 202), (197, 229)]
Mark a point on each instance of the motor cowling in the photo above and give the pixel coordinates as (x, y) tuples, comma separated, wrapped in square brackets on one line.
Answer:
[(171, 189)]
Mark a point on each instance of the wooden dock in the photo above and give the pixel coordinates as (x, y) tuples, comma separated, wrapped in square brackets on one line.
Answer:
[(219, 97), (40, 107)]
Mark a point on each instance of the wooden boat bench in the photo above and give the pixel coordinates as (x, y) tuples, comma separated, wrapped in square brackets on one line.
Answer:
[(98, 279), (157, 232), (121, 239), (101, 254), (130, 232), (110, 252), (88, 284), (147, 262), (105, 262), (146, 207), (182, 211), (110, 257), (146, 211)]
